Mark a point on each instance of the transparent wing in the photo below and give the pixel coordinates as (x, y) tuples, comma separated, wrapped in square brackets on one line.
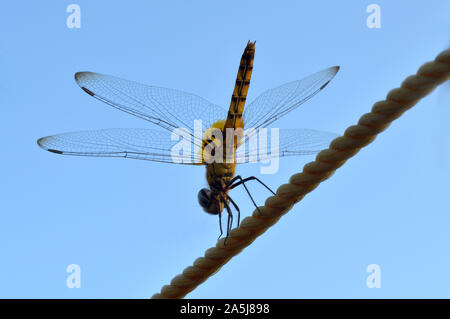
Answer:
[(291, 142), (144, 144), (172, 109), (277, 102), (167, 108)]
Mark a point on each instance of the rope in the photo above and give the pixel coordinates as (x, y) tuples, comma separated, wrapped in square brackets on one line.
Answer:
[(399, 100)]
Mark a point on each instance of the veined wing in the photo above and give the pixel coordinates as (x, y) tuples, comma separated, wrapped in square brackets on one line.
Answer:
[(277, 102), (167, 108), (157, 146), (291, 142), (144, 144)]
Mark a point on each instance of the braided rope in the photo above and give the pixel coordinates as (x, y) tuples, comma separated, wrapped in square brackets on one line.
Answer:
[(398, 100)]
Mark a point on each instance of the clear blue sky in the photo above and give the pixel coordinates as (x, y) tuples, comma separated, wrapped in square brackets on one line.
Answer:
[(132, 225)]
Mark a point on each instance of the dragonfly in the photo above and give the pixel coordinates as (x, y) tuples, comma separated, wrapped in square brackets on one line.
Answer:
[(171, 109)]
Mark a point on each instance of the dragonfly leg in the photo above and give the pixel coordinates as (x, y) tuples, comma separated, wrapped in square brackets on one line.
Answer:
[(230, 220), (242, 181), (220, 225), (237, 208)]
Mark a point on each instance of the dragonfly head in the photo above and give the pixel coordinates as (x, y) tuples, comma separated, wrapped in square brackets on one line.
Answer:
[(208, 203)]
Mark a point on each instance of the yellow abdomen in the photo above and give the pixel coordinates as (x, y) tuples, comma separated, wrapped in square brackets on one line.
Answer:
[(234, 118), (220, 173)]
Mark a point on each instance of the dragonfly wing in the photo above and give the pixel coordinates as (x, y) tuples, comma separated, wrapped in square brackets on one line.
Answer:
[(291, 142), (144, 144), (167, 108), (277, 102)]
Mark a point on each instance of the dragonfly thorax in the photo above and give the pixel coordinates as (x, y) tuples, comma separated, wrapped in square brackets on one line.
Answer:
[(219, 176), (220, 143)]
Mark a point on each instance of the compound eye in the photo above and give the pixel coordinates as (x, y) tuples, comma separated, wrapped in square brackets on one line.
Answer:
[(204, 197)]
